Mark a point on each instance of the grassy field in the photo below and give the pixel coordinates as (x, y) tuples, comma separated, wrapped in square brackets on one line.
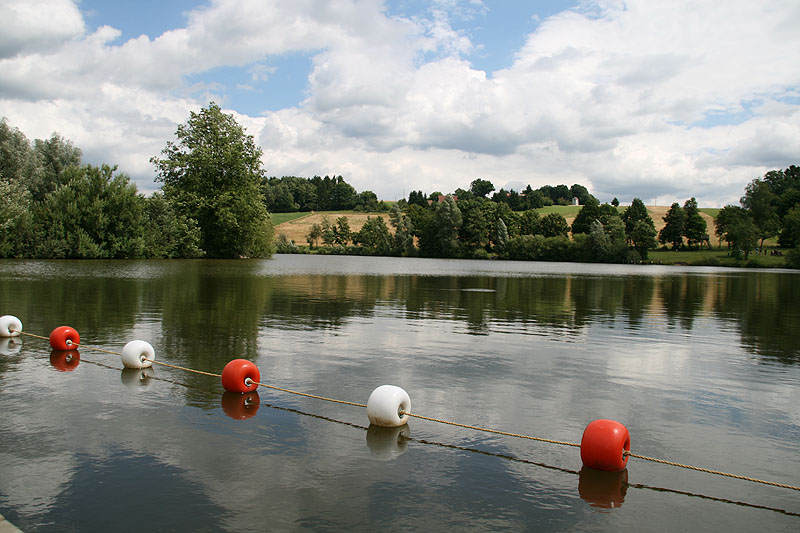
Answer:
[(713, 257), (296, 226), (280, 218)]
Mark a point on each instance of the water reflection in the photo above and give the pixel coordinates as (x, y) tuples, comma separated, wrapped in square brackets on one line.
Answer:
[(605, 490), (10, 345), (388, 443), (213, 310), (137, 378), (65, 361), (240, 406)]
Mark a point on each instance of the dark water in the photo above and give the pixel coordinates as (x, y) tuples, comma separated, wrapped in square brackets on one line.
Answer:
[(701, 365)]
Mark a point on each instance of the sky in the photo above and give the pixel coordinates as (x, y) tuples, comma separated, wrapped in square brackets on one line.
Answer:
[(638, 98)]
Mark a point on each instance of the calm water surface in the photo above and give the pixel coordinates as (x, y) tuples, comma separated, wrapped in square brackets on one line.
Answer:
[(702, 366)]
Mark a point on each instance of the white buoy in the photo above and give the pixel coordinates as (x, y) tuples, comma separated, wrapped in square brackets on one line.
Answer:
[(138, 354), (10, 326), (384, 406)]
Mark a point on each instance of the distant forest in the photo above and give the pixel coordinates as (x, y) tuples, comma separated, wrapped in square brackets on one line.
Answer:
[(215, 201)]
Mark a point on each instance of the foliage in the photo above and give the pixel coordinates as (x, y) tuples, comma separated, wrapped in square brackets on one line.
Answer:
[(675, 224), (168, 234), (554, 225), (374, 237), (403, 240), (695, 228), (643, 237), (636, 212), (530, 222), (761, 202), (212, 173), (588, 214), (501, 236), (481, 188)]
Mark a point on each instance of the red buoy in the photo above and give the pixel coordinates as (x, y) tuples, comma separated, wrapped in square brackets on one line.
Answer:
[(240, 375), (604, 444), (65, 361), (64, 338)]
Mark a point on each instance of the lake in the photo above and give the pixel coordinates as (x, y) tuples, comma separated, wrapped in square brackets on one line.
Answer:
[(701, 364)]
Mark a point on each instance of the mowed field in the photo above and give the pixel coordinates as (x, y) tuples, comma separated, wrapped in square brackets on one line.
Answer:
[(298, 225)]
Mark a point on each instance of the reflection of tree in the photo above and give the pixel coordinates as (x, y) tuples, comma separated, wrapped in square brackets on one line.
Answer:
[(764, 306), (682, 297)]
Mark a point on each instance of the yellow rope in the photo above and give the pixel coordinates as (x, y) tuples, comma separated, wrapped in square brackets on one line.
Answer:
[(487, 430), (708, 471), (449, 423), (310, 395)]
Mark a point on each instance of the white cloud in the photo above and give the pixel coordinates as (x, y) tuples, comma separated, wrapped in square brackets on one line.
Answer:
[(621, 97), (28, 27)]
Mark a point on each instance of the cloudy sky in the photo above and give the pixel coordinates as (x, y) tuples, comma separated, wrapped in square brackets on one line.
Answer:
[(637, 98)]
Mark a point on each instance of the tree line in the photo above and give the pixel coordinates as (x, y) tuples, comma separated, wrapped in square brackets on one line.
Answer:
[(470, 225), (52, 205), (215, 201)]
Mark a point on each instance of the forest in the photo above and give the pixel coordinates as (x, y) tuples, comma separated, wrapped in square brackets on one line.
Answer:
[(215, 201)]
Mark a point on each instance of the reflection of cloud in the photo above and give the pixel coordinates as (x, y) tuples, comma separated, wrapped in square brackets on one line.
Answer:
[(32, 484)]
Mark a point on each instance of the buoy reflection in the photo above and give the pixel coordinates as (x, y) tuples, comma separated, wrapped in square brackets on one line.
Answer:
[(240, 406), (137, 378), (65, 361), (388, 443), (605, 490), (10, 345)]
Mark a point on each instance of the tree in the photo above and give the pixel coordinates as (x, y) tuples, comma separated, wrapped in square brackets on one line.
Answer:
[(481, 187), (314, 235), (743, 236), (417, 198), (636, 212), (791, 227), (554, 225), (673, 230), (213, 173), (586, 216), (473, 234), (727, 218), (55, 155), (403, 241), (615, 202), (374, 236), (761, 202), (529, 223), (439, 236), (94, 214), (643, 237), (367, 201), (695, 228), (166, 233), (341, 231), (581, 193), (500, 236)]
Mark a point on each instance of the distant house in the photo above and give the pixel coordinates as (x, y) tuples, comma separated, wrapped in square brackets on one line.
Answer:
[(575, 201), (443, 196)]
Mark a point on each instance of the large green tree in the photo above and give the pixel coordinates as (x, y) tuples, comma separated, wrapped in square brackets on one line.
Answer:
[(761, 202), (212, 173), (586, 216), (636, 212), (675, 223), (695, 228)]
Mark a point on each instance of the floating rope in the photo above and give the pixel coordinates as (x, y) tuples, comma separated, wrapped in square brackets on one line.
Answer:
[(708, 471), (487, 430), (446, 422)]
